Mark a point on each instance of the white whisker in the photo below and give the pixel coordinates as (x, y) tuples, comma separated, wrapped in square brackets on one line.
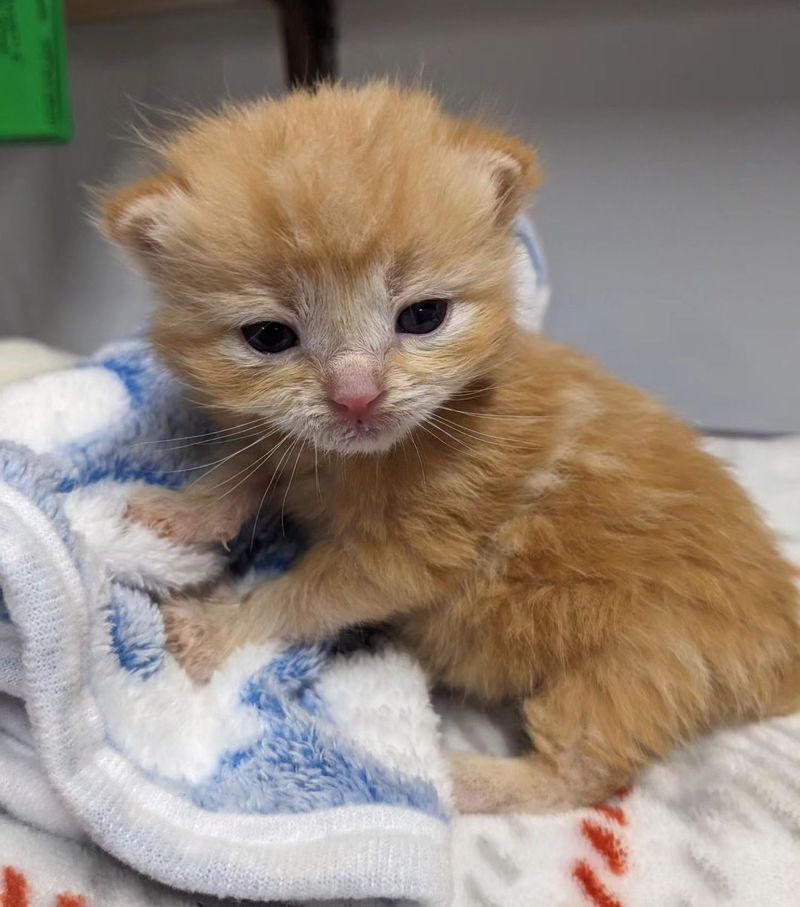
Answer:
[(288, 487), (222, 432), (251, 469), (428, 426), (217, 463), (269, 486), (316, 470), (435, 423), (413, 440), (478, 435), (489, 415)]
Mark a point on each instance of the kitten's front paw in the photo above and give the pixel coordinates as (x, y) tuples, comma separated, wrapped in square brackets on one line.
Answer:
[(175, 516), (191, 638)]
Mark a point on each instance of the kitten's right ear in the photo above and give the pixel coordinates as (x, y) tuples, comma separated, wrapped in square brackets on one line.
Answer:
[(141, 217)]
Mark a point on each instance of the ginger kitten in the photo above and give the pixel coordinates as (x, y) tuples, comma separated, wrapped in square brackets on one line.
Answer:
[(334, 274)]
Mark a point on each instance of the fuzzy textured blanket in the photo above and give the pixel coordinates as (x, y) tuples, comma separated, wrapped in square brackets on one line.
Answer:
[(292, 774)]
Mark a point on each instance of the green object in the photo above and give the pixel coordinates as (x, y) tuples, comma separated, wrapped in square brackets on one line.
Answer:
[(34, 97)]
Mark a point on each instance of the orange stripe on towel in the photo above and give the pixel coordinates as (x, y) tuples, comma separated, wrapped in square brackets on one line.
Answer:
[(15, 888), (592, 887), (607, 844), (615, 813)]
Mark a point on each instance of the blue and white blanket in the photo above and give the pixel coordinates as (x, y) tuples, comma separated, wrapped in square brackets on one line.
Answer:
[(293, 774)]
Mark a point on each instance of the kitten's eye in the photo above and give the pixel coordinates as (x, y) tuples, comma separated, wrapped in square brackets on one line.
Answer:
[(269, 336), (422, 317)]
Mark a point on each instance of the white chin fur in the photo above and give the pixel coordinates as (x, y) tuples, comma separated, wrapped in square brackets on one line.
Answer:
[(391, 432), (379, 443)]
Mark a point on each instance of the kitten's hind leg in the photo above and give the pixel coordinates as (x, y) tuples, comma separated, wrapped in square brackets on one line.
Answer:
[(532, 783), (592, 729), (525, 784), (586, 745)]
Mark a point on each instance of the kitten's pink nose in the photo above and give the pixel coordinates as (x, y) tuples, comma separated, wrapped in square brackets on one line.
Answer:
[(355, 385), (357, 402)]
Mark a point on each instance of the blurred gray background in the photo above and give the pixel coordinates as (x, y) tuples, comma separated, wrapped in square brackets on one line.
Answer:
[(669, 131)]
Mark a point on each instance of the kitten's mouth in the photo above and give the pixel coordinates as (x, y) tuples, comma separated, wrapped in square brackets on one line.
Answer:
[(373, 436)]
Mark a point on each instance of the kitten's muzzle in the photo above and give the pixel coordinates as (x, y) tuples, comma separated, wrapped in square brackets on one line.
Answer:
[(356, 407), (355, 387)]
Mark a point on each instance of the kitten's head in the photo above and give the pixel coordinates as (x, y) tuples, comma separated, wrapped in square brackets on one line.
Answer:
[(337, 263)]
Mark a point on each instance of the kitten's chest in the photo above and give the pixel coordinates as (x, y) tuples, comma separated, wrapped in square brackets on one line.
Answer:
[(341, 503)]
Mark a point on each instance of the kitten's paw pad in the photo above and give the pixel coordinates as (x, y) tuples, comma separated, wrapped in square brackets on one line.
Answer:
[(173, 517), (162, 512), (188, 627)]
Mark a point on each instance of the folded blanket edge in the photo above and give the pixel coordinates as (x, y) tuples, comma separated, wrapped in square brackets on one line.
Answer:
[(374, 850)]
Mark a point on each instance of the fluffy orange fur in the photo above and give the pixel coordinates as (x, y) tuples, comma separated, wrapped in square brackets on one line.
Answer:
[(532, 528)]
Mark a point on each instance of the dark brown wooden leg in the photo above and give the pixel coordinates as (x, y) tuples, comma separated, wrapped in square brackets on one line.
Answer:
[(309, 39)]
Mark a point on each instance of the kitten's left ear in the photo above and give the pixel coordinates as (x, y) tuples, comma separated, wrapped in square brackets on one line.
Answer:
[(512, 166), (515, 172)]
